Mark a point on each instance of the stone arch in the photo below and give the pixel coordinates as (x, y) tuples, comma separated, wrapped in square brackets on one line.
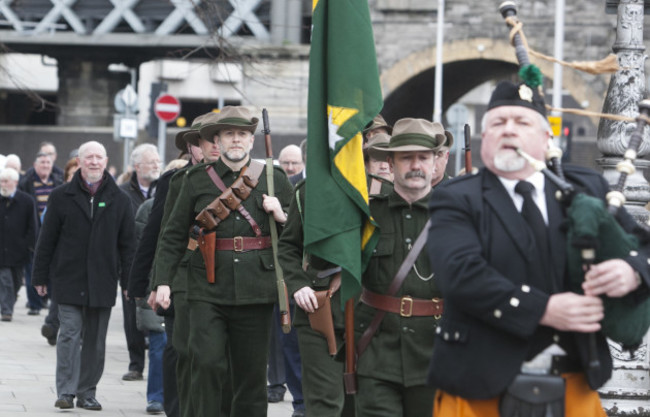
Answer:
[(483, 59)]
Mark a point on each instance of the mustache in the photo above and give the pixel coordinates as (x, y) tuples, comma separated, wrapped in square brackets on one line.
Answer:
[(415, 174)]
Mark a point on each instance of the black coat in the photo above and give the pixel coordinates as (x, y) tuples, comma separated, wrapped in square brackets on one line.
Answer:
[(482, 260), (146, 249), (26, 183), (18, 229), (86, 242), (57, 177), (132, 189)]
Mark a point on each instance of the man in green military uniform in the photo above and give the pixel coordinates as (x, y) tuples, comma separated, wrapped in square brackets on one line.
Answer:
[(187, 140), (230, 301), (442, 158), (392, 369), (322, 376)]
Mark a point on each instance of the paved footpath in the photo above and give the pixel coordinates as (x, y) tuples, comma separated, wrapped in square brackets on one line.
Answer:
[(27, 365)]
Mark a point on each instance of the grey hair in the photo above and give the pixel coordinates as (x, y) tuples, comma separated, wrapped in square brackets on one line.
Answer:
[(140, 150), (13, 157), (9, 174)]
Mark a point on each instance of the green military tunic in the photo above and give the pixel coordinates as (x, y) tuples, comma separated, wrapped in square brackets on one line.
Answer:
[(230, 319), (399, 352), (176, 278), (322, 376), (241, 277)]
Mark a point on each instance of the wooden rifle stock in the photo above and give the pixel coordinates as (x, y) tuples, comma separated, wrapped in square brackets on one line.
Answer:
[(283, 295), (468, 150), (350, 374)]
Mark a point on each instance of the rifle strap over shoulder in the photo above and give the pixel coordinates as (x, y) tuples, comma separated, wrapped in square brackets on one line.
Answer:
[(395, 285)]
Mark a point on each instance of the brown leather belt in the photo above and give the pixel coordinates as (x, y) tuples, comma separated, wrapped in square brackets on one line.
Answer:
[(237, 243), (240, 244), (404, 306)]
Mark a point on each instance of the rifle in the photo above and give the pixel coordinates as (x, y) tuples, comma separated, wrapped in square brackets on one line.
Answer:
[(283, 295), (468, 151)]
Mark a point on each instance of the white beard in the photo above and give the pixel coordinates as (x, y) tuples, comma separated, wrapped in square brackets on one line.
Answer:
[(5, 192), (509, 161), (93, 178)]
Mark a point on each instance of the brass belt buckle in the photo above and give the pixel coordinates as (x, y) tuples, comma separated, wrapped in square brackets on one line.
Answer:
[(406, 306), (238, 247), (436, 307)]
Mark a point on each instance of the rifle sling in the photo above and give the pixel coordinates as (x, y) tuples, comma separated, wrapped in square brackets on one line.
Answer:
[(395, 285), (253, 173)]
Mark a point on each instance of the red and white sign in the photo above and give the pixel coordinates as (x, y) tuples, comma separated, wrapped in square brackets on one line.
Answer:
[(167, 108)]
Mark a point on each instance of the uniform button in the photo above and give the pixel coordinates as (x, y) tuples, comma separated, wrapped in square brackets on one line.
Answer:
[(497, 313), (408, 216), (514, 302), (438, 330), (456, 336), (362, 325), (83, 293), (405, 329), (556, 338), (408, 240), (236, 260), (633, 253), (525, 288), (445, 336), (237, 218)]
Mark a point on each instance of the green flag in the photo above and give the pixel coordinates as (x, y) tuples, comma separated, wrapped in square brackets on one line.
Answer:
[(344, 95)]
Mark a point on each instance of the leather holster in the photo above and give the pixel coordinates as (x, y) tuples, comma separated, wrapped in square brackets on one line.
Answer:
[(208, 245), (321, 320)]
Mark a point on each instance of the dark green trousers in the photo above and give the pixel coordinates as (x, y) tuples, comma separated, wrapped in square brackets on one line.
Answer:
[(236, 336), (180, 340), (322, 377), (379, 398)]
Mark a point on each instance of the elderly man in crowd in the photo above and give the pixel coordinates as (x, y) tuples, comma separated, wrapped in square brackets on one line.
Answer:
[(18, 228), (145, 161), (86, 245)]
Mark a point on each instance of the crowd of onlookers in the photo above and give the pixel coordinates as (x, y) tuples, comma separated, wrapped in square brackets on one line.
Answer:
[(24, 195)]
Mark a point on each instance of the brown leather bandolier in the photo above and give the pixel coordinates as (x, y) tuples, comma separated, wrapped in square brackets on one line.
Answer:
[(219, 209)]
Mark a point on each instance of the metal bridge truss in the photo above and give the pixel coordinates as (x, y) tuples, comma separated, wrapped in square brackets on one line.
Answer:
[(225, 18)]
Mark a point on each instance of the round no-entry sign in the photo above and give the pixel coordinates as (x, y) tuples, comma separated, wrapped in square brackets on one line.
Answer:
[(167, 108)]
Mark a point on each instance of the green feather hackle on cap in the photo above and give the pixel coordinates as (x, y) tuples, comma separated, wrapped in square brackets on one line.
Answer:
[(531, 75)]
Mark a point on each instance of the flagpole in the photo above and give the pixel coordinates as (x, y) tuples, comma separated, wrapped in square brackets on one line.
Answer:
[(437, 92)]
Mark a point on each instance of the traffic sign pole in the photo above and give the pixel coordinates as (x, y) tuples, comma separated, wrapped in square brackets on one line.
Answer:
[(162, 142)]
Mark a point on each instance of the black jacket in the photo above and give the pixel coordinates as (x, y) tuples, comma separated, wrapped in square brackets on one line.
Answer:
[(146, 248), (26, 183), (132, 189), (87, 243), (18, 229), (483, 263)]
